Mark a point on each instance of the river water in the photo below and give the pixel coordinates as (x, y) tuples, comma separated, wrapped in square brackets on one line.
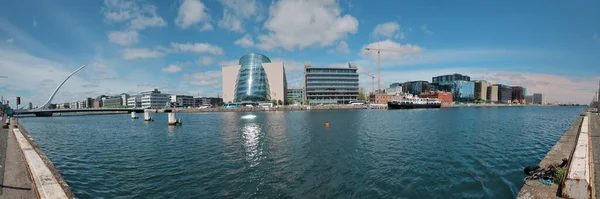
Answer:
[(443, 153)]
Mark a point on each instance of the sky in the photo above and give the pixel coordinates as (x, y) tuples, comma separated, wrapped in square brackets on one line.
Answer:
[(179, 47)]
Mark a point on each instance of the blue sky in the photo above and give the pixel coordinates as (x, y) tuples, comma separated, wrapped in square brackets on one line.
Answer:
[(179, 46)]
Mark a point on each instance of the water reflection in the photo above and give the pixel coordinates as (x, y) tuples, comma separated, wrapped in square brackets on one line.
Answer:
[(172, 130), (251, 135)]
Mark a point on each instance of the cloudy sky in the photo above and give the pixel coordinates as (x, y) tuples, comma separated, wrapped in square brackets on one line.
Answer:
[(179, 46)]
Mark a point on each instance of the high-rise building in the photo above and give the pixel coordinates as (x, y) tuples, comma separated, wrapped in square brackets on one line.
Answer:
[(337, 85), (529, 99), (415, 87), (538, 98), (182, 100), (481, 88), (492, 93), (154, 99), (518, 94), (463, 90), (295, 95), (254, 79), (504, 93)]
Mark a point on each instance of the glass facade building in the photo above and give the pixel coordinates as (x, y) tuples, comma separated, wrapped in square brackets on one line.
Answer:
[(415, 87), (252, 82), (295, 95), (394, 85), (463, 90), (504, 93), (331, 85)]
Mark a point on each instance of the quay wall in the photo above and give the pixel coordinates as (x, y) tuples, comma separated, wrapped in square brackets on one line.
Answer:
[(55, 172)]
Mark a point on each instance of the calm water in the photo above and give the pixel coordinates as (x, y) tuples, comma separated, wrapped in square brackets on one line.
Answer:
[(446, 153)]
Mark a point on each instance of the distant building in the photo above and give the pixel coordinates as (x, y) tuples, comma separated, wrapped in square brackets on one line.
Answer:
[(97, 104), (492, 94), (415, 87), (89, 102), (443, 96), (463, 90), (394, 90), (124, 98), (213, 101), (254, 79), (74, 105), (538, 98), (182, 100), (154, 99), (111, 101), (63, 106), (481, 88), (30, 107), (331, 85), (134, 101), (393, 85), (81, 104), (295, 95), (529, 99), (518, 94), (504, 94), (382, 98)]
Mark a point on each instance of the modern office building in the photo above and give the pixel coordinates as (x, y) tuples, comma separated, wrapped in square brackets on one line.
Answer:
[(504, 94), (518, 94), (254, 79), (213, 101), (394, 90), (124, 98), (111, 101), (30, 107), (331, 85), (492, 94), (397, 84), (81, 104), (182, 101), (295, 95), (134, 101), (415, 87), (74, 105), (481, 88), (529, 99), (463, 90), (154, 99), (538, 98)]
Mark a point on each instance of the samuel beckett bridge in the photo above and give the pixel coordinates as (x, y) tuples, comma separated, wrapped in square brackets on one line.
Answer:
[(45, 111)]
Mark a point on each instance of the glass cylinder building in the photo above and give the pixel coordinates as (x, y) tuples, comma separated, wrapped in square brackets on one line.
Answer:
[(252, 83)]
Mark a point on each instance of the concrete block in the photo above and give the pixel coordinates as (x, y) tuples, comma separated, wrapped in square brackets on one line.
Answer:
[(578, 182)]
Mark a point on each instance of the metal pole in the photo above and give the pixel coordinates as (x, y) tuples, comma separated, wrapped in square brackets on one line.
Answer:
[(378, 68)]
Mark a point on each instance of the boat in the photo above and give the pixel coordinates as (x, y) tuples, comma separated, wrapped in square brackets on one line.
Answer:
[(413, 102)]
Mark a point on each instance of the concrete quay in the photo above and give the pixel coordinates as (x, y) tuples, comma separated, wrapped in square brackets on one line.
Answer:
[(581, 145), (490, 105), (27, 171)]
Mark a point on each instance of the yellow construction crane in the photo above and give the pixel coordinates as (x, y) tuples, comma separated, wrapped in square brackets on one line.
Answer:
[(373, 82), (379, 61)]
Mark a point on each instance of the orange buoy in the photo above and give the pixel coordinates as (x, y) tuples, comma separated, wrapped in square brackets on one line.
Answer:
[(327, 124)]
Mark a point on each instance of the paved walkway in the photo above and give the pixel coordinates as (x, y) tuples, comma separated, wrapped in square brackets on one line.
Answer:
[(595, 133), (17, 181)]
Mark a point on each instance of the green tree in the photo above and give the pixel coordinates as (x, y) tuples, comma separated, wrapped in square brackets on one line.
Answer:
[(361, 95), (274, 102), (280, 102), (290, 101), (306, 102)]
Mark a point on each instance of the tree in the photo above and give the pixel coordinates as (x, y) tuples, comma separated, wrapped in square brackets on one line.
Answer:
[(361, 95), (274, 102), (280, 102), (306, 101), (290, 101), (229, 102)]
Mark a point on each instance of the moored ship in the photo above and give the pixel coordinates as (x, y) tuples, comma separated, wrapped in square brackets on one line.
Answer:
[(412, 102)]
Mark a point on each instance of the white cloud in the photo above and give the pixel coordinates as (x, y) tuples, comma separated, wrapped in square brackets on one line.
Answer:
[(203, 61), (298, 24), (232, 62), (388, 30), (197, 48), (192, 12), (245, 41), (124, 38), (139, 16), (236, 11), (34, 22), (208, 78), (395, 51), (426, 30), (342, 47), (172, 68), (140, 53), (10, 40)]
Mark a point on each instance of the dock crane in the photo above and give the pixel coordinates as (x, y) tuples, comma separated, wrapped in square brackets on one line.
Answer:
[(372, 80), (378, 49)]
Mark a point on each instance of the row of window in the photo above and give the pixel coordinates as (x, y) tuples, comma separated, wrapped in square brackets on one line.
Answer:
[(331, 80), (330, 76), (321, 70), (332, 85), (331, 89)]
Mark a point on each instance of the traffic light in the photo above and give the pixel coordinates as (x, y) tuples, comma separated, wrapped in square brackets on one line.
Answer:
[(18, 100)]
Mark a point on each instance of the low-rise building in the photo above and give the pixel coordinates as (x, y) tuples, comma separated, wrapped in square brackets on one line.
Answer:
[(504, 94), (154, 99), (518, 94), (444, 96), (529, 99), (74, 105), (134, 101), (382, 98), (63, 106), (182, 100), (492, 94), (213, 101), (538, 98), (394, 90), (481, 88), (111, 101)]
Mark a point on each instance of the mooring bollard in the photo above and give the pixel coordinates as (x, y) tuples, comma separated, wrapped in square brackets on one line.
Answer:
[(133, 116), (147, 116), (172, 120)]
